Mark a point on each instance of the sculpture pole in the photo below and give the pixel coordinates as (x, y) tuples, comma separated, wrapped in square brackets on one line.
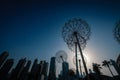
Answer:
[(80, 67), (84, 64), (77, 72)]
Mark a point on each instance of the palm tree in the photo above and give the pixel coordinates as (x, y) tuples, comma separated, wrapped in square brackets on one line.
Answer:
[(107, 64), (96, 68)]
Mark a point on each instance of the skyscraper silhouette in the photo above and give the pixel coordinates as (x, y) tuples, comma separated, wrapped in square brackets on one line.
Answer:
[(115, 66), (65, 69), (118, 61), (3, 57), (5, 69), (52, 70), (18, 69), (34, 74), (24, 74), (43, 70)]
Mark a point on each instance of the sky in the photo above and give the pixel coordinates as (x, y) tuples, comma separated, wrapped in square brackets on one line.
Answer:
[(33, 29)]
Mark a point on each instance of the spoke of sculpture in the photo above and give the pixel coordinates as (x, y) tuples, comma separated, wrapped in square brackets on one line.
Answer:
[(117, 32), (61, 56)]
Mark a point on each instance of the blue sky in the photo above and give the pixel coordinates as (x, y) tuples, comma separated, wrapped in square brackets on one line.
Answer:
[(32, 29)]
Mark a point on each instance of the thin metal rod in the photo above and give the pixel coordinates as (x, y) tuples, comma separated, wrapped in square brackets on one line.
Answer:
[(80, 67), (84, 64), (77, 72), (62, 58)]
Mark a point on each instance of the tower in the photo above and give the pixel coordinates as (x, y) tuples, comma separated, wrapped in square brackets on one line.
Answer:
[(118, 61), (3, 57), (65, 69), (18, 69), (52, 70), (115, 66), (34, 70), (5, 69), (24, 73), (43, 70)]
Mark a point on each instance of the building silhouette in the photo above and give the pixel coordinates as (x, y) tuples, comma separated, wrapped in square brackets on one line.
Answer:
[(65, 69), (52, 69), (18, 69), (43, 70), (3, 57), (34, 70), (39, 70), (24, 74), (5, 69), (115, 66), (118, 61)]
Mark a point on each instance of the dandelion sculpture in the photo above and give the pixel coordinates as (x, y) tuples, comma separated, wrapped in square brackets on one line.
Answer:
[(117, 32), (61, 56), (75, 33)]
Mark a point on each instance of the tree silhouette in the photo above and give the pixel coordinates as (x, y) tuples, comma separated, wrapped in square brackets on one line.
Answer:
[(97, 68), (107, 64), (71, 72)]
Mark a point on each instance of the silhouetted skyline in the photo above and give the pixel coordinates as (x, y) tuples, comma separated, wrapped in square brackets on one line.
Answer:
[(32, 29)]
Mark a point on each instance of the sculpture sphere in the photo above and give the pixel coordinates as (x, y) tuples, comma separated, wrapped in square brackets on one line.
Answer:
[(61, 56), (117, 32), (78, 26)]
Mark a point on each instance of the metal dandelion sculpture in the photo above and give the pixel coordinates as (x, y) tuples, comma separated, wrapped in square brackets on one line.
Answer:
[(75, 33), (61, 56), (117, 32), (76, 27)]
